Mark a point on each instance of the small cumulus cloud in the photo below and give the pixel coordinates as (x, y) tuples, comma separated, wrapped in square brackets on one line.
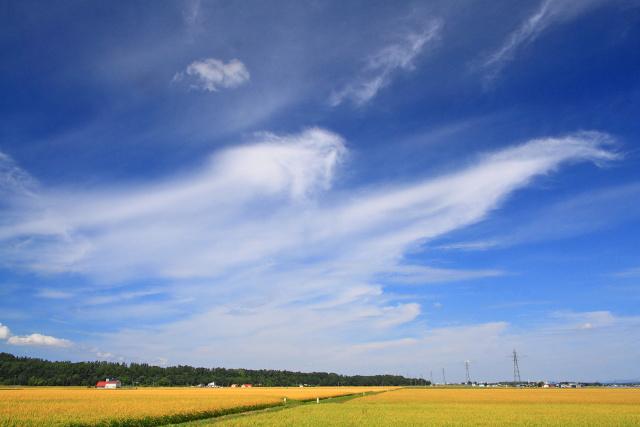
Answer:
[(34, 340), (437, 304), (4, 332), (585, 326), (210, 74), (104, 355), (39, 340)]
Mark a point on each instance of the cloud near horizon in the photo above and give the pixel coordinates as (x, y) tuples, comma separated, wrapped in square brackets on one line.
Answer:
[(34, 340), (259, 241)]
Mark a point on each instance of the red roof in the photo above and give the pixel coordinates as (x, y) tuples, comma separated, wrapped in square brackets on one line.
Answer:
[(101, 384)]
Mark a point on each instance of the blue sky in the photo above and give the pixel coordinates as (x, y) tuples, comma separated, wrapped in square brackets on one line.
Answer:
[(358, 187)]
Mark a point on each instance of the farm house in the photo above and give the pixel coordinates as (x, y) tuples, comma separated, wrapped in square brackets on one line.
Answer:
[(109, 383)]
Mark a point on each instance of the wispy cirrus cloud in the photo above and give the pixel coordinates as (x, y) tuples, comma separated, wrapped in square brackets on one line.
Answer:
[(382, 65), (210, 74), (576, 215), (259, 241), (631, 272), (13, 179), (190, 13), (420, 275), (550, 12)]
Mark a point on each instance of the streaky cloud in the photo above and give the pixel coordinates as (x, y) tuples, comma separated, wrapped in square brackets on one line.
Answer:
[(14, 181), (265, 201), (272, 249), (381, 66), (549, 13)]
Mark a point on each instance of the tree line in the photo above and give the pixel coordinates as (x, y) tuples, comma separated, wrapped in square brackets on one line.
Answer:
[(38, 372)]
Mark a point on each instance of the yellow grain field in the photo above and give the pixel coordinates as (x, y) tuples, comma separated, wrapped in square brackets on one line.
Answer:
[(470, 407), (61, 406)]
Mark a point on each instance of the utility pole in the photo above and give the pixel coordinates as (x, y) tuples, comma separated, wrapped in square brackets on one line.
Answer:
[(466, 363), (516, 370)]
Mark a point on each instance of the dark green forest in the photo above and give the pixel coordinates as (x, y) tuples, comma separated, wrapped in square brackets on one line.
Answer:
[(37, 372)]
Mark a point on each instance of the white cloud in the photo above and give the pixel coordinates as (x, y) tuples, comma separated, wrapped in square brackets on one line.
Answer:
[(4, 332), (211, 74), (587, 320), (259, 242), (262, 203), (381, 66), (549, 13), (54, 294), (632, 272), (419, 275), (190, 14), (517, 304), (37, 340), (385, 344), (104, 355), (14, 181), (592, 211)]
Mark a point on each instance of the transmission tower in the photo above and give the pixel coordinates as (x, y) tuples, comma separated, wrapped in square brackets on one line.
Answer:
[(516, 371), (466, 363)]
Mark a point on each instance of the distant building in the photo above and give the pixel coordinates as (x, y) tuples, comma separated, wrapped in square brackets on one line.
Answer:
[(245, 385), (109, 383)]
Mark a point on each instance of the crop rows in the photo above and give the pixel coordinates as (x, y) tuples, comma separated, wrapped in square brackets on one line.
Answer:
[(476, 407), (42, 406)]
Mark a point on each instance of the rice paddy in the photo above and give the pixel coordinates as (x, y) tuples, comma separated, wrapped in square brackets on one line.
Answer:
[(471, 407), (67, 406)]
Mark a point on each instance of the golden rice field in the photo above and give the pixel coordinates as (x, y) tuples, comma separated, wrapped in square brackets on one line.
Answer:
[(63, 406), (470, 407)]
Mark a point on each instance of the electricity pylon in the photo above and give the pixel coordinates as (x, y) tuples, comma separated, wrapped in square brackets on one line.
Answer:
[(516, 370)]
